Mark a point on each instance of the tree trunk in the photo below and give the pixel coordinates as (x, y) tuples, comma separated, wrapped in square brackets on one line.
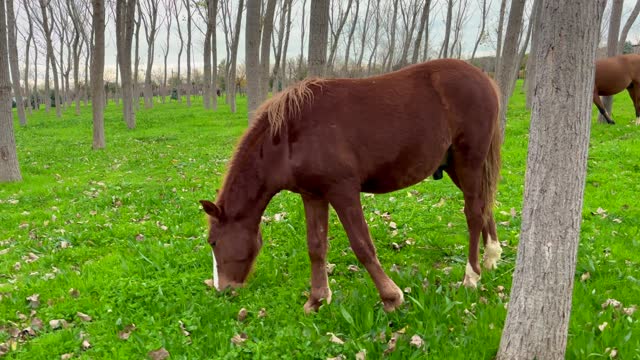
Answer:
[(206, 54), (409, 29), (283, 80), (347, 52), (27, 52), (267, 30), (179, 85), (538, 316), (85, 91), (150, 31), (531, 64), (125, 15), (318, 36), (335, 35), (503, 9), (136, 61), (47, 85), (482, 26), (168, 19), (51, 57), (36, 92), (13, 59), (252, 55), (612, 48), (188, 87), (304, 8), (280, 44), (97, 74), (424, 20), (213, 16), (9, 168), (627, 26), (234, 57), (509, 62), (392, 42), (444, 51), (376, 38)]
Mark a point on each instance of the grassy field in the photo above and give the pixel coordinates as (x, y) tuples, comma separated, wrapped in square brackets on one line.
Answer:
[(118, 235)]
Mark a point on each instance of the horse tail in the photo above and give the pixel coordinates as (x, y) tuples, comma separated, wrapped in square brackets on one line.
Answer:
[(492, 163)]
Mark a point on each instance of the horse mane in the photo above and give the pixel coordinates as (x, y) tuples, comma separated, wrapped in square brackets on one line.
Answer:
[(287, 103)]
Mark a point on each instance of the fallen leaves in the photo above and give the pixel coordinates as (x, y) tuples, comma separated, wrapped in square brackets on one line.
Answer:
[(58, 323), (86, 345), (353, 268), (124, 334), (242, 314), (262, 313), (159, 354), (183, 329), (603, 326), (238, 339), (584, 277), (334, 339), (416, 341), (209, 283), (361, 355), (83, 316), (34, 301)]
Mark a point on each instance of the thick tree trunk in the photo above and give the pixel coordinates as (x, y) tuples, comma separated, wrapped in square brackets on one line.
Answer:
[(36, 92), (125, 15), (509, 62), (206, 54), (13, 59), (538, 316), (234, 57), (97, 74), (168, 19), (612, 48), (252, 55), (9, 168), (318, 36)]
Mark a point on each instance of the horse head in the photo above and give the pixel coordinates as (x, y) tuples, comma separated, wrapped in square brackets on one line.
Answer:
[(235, 243)]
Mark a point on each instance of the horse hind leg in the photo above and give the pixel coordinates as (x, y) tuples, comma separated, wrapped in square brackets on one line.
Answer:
[(598, 102), (492, 248), (316, 214), (634, 92)]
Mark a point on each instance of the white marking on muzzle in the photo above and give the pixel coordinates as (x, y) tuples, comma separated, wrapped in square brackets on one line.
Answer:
[(215, 271)]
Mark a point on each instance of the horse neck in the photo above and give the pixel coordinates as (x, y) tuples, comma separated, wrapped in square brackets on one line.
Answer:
[(247, 191)]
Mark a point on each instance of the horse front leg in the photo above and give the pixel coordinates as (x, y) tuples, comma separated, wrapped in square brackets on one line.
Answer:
[(349, 209), (317, 214), (634, 92)]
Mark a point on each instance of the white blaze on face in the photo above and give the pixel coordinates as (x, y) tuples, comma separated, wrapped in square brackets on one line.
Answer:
[(215, 271)]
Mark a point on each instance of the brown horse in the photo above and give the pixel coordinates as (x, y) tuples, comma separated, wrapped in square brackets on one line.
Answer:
[(614, 75), (330, 139)]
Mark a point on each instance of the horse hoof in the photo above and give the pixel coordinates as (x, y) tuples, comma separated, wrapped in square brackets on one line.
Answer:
[(611, 122), (313, 304), (471, 278), (394, 301)]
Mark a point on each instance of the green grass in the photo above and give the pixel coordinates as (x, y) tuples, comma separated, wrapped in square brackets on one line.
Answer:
[(81, 211)]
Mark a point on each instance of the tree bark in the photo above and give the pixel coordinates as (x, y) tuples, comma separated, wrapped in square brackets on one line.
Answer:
[(612, 48), (318, 36), (13, 59), (376, 38), (267, 30), (252, 55), (444, 51), (503, 9), (283, 81), (9, 167), (509, 62), (125, 15), (165, 50), (538, 316), (51, 57), (392, 41), (234, 57), (97, 74), (206, 54), (136, 61), (304, 8), (627, 26), (424, 20)]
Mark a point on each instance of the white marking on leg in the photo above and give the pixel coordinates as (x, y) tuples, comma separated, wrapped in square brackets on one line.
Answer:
[(637, 121), (471, 278), (215, 271), (492, 252)]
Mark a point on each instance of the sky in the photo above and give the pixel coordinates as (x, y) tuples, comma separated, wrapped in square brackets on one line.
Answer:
[(437, 22)]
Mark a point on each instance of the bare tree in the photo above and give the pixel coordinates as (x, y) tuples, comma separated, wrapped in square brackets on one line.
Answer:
[(27, 50), (165, 49), (9, 168), (503, 8), (409, 23), (13, 60), (335, 33), (51, 56), (392, 40), (286, 41), (612, 48), (302, 30), (424, 23), (538, 315), (267, 30), (136, 59), (281, 47), (444, 50), (352, 31), (461, 19), (376, 38), (318, 36), (151, 25), (97, 74), (177, 10), (509, 63), (484, 8), (189, 19), (213, 15), (252, 55), (234, 57), (125, 15), (627, 26)]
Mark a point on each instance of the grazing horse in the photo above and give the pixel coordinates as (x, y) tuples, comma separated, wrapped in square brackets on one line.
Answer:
[(331, 139), (614, 75)]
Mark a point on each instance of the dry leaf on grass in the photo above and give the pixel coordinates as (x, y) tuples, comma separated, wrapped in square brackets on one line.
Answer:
[(330, 267), (353, 268), (34, 301), (58, 323), (124, 334), (238, 339), (262, 313), (83, 316), (159, 354), (86, 345), (335, 339), (183, 329), (391, 345), (242, 314), (630, 310), (612, 303), (362, 355), (339, 357), (209, 283), (584, 277), (74, 293), (66, 356), (416, 341), (36, 323), (603, 326)]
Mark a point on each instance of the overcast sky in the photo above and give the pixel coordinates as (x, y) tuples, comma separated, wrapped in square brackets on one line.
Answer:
[(437, 20)]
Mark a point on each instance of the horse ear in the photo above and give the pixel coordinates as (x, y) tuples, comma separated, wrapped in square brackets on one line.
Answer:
[(212, 209)]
